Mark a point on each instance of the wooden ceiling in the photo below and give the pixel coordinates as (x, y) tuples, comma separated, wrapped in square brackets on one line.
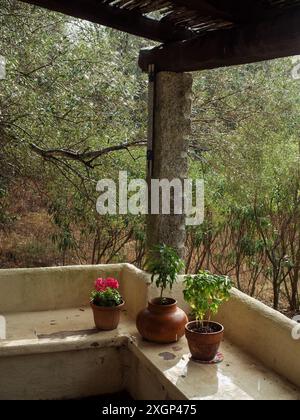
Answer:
[(202, 31)]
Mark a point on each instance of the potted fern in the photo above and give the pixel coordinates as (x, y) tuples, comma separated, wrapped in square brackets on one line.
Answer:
[(162, 321), (205, 292)]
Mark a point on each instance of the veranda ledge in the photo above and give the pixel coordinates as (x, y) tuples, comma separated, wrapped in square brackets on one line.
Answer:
[(261, 357)]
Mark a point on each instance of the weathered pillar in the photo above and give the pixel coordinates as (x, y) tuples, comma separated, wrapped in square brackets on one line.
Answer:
[(169, 129)]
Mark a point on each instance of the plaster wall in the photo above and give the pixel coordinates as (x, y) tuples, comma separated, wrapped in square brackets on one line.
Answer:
[(62, 375)]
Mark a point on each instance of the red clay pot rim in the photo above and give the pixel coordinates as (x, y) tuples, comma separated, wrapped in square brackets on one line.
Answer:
[(154, 301), (107, 308), (206, 334)]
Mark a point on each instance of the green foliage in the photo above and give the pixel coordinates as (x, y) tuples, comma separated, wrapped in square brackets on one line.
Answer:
[(75, 86), (109, 298), (164, 264), (205, 292)]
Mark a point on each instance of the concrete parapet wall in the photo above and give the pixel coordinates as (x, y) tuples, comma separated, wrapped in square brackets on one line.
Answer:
[(258, 329)]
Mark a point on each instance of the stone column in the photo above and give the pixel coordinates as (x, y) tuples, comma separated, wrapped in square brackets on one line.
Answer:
[(171, 129)]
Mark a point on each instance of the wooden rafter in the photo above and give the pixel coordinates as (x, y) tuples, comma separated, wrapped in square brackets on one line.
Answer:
[(197, 34), (125, 20), (236, 11), (278, 37), (205, 7), (244, 11), (174, 20)]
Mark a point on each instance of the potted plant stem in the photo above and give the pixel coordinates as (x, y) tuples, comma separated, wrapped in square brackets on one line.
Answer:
[(205, 292), (162, 321), (106, 303)]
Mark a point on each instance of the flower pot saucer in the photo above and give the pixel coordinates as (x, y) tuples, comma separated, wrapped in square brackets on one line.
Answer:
[(218, 359)]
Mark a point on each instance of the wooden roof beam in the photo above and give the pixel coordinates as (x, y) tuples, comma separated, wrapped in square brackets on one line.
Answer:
[(235, 11), (278, 37), (244, 11), (203, 7), (124, 20)]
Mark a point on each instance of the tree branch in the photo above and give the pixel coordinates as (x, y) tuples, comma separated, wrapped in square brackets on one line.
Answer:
[(86, 157)]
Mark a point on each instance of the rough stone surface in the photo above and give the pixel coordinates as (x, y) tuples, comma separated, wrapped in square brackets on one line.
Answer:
[(172, 128)]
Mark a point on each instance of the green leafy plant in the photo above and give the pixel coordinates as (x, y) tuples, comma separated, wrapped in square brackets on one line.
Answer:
[(109, 298), (205, 292), (164, 264)]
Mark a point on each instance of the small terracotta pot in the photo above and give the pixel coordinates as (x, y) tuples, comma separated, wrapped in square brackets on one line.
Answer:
[(162, 323), (107, 318), (204, 346)]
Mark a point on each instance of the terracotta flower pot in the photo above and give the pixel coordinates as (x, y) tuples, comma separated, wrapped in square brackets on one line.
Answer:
[(162, 323), (107, 318), (204, 346)]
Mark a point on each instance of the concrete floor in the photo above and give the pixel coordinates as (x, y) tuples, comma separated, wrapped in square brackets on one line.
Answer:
[(239, 377)]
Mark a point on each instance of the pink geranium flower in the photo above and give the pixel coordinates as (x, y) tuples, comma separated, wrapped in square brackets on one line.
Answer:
[(112, 283), (102, 284)]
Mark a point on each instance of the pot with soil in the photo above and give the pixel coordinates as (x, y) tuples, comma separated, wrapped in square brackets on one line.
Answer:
[(162, 321), (107, 318), (205, 292), (107, 304), (204, 339)]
